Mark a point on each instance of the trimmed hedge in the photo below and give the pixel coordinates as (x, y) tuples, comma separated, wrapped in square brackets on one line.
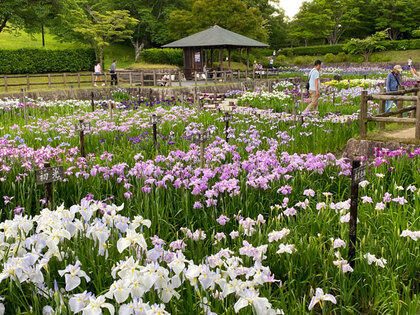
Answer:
[(35, 60), (336, 49), (167, 56)]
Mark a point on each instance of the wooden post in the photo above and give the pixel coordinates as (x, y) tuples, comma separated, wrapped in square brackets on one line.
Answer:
[(78, 80), (382, 108), (239, 75), (48, 190), (179, 77), (105, 78), (82, 140), (363, 114), (221, 58), (414, 112), (400, 103), (64, 79), (418, 116), (142, 78), (247, 63), (195, 78), (27, 82), (25, 110), (154, 78), (93, 103), (93, 79), (229, 57), (5, 83), (130, 76), (170, 79), (211, 58), (353, 215)]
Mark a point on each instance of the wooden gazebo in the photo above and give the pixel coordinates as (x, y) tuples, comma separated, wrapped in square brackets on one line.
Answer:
[(216, 37)]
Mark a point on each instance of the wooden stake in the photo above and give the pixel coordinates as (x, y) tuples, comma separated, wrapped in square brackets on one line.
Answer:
[(353, 217), (363, 114)]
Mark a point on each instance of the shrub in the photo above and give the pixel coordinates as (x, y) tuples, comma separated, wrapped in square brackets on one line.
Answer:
[(330, 58), (300, 60), (163, 56), (379, 58), (36, 60), (342, 57)]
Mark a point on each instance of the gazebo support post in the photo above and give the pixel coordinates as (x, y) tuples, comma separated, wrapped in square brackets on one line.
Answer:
[(229, 57), (221, 58), (211, 58), (247, 62)]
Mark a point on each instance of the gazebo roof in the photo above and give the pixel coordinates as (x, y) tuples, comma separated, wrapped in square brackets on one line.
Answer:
[(215, 36)]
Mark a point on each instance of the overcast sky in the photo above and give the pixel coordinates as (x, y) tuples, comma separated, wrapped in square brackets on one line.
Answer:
[(291, 6)]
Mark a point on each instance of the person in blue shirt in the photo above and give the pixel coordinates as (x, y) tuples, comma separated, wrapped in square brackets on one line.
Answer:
[(393, 81), (314, 85)]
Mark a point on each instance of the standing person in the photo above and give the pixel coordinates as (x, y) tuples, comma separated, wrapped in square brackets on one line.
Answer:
[(393, 81), (410, 61), (314, 84), (113, 71), (415, 74), (98, 71), (271, 63)]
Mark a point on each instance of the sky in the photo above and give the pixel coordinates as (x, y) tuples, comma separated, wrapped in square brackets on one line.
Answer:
[(291, 7)]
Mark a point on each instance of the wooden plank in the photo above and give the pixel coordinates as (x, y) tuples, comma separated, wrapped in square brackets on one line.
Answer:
[(5, 83), (397, 112), (363, 114), (392, 97), (399, 102), (393, 119)]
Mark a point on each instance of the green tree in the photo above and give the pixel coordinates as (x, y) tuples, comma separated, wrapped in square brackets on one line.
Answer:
[(310, 23), (398, 16), (233, 15), (151, 28), (366, 46), (28, 15), (101, 29)]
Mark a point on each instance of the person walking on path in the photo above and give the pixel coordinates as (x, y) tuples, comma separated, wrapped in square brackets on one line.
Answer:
[(113, 71), (314, 85), (393, 81), (98, 71)]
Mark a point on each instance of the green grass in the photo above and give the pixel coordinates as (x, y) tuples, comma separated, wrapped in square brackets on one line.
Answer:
[(401, 56), (24, 40)]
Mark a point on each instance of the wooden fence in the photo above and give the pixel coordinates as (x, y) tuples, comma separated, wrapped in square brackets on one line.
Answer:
[(401, 97), (147, 77)]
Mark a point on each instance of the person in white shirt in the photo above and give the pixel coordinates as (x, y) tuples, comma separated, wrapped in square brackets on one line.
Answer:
[(98, 71), (409, 62), (314, 85)]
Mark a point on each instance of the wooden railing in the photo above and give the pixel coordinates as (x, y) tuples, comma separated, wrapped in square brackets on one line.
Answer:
[(401, 97), (147, 77)]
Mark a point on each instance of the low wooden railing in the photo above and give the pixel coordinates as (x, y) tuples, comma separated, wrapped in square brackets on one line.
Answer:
[(401, 97)]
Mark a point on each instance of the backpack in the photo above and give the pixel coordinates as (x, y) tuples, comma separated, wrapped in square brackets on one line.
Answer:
[(309, 79)]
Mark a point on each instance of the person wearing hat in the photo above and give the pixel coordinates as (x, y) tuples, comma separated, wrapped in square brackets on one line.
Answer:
[(393, 81)]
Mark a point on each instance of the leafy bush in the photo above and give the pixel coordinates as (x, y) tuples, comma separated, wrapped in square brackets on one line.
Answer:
[(36, 60), (379, 58), (330, 58), (303, 60), (342, 57), (163, 56)]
